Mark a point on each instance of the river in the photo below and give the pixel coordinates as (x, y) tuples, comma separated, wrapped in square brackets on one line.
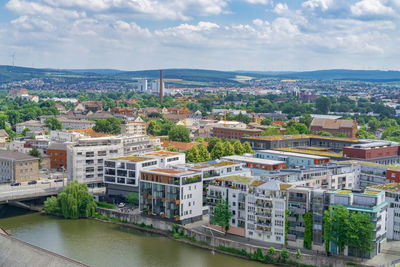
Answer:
[(102, 244)]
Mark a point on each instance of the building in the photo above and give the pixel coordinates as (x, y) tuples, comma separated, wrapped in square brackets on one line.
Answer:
[(85, 157), (347, 128), (122, 174), (58, 155), (32, 125), (370, 201), (383, 152), (76, 124), (234, 133), (292, 159), (166, 158), (171, 194), (257, 163), (180, 146), (3, 137), (22, 93), (133, 126), (17, 167), (121, 111), (392, 196)]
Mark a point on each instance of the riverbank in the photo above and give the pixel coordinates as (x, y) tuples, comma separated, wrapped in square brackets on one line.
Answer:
[(220, 244)]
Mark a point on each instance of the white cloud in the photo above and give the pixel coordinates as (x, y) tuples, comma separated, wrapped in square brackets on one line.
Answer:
[(371, 8), (263, 2), (318, 4), (281, 8)]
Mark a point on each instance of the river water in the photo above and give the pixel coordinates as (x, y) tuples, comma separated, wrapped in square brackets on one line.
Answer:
[(103, 244)]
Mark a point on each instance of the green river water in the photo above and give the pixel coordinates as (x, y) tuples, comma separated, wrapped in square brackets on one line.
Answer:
[(102, 244)]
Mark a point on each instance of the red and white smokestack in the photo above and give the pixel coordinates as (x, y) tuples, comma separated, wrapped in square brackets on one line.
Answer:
[(161, 88)]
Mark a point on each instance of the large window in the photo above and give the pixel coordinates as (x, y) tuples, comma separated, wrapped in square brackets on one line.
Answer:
[(122, 173), (109, 179), (131, 181), (110, 164)]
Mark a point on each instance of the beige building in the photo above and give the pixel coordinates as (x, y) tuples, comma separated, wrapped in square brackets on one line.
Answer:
[(134, 126), (18, 167)]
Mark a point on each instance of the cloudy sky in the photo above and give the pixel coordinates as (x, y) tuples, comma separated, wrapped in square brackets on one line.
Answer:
[(213, 34)]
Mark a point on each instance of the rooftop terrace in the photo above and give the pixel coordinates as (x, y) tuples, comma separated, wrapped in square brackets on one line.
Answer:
[(238, 179), (393, 187), (313, 152), (162, 153), (132, 158)]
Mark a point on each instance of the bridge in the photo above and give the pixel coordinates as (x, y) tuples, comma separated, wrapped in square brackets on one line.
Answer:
[(43, 188)]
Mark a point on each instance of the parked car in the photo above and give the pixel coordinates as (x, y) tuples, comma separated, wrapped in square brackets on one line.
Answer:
[(15, 184), (45, 182), (58, 180), (32, 182), (121, 205)]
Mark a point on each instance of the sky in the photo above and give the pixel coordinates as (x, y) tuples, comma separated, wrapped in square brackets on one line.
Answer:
[(263, 35)]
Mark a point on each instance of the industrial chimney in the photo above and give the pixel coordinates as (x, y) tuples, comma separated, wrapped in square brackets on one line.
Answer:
[(161, 88)]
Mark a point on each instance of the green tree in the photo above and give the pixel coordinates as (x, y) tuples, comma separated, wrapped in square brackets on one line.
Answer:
[(153, 128), (36, 153), (203, 153), (222, 214), (238, 147), (266, 121), (212, 143), (75, 201), (24, 131), (111, 126), (51, 205), (284, 255), (324, 133), (193, 155), (247, 148), (306, 119), (291, 130), (362, 133), (13, 117), (271, 251), (323, 105), (172, 149), (53, 123), (199, 139), (373, 124), (179, 133), (307, 242), (133, 198), (271, 131), (360, 234), (298, 254), (339, 226), (218, 151), (229, 150)]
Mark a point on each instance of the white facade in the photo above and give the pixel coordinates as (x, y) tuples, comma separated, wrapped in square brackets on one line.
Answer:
[(76, 124), (32, 125), (166, 158), (134, 127), (65, 136), (142, 85)]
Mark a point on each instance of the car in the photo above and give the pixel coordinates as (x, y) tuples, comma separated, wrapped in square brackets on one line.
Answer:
[(58, 180), (15, 184), (121, 205), (32, 182), (45, 182)]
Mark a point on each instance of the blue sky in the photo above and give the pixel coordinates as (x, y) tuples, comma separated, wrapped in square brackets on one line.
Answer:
[(260, 35)]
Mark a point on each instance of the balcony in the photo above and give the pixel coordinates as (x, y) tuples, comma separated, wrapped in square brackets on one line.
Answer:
[(291, 237), (300, 229), (291, 219), (300, 211)]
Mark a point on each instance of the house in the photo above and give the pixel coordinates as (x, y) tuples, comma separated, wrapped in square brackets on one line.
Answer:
[(3, 137), (346, 128), (17, 167), (60, 108)]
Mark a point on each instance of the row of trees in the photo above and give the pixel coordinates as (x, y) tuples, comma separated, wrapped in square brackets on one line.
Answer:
[(220, 148), (73, 202)]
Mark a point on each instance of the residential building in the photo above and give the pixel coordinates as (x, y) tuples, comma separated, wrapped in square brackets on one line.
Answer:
[(370, 201), (180, 146), (392, 196), (58, 155), (32, 125), (383, 152), (133, 126), (258, 163), (76, 124), (62, 136), (122, 174), (292, 159), (166, 158), (3, 137), (17, 167), (234, 133), (171, 194), (22, 93), (347, 128)]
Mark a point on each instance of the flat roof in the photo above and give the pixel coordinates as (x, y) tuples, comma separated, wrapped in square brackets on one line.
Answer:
[(14, 155), (302, 136), (372, 164), (162, 153), (312, 152), (223, 163), (254, 160), (170, 172), (392, 187), (284, 153), (132, 158), (236, 178)]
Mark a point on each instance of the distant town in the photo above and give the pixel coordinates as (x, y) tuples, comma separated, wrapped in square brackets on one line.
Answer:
[(293, 171)]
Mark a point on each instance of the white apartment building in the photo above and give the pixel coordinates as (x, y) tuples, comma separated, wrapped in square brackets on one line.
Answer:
[(392, 192), (166, 158), (63, 136), (134, 126)]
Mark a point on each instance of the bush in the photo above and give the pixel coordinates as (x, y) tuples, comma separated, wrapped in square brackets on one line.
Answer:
[(271, 251), (284, 254), (133, 198), (105, 205), (350, 263)]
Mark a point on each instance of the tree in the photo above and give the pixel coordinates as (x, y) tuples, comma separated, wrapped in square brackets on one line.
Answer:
[(212, 143), (291, 130), (373, 124), (222, 214), (338, 219), (323, 105), (306, 119), (111, 125), (271, 251), (298, 254), (362, 133), (51, 205), (284, 254), (74, 202), (238, 147), (193, 155), (229, 150), (133, 198), (53, 123), (24, 131), (36, 153), (360, 232), (266, 121), (172, 149), (203, 153), (247, 148), (271, 131), (324, 133), (218, 151), (179, 133), (308, 223), (13, 117), (199, 139), (153, 128)]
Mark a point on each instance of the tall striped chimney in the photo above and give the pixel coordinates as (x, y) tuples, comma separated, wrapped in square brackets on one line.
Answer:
[(161, 88)]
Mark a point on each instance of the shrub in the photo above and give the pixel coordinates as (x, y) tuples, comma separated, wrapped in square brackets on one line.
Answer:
[(271, 251)]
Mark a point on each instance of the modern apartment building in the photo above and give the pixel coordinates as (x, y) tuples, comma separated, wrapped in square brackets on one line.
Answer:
[(292, 159), (234, 133), (383, 152), (392, 196), (133, 126), (122, 174), (58, 155), (371, 201), (166, 158), (17, 167), (258, 163), (171, 194)]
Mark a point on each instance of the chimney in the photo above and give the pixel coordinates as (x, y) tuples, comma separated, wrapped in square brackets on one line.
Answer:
[(161, 88)]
